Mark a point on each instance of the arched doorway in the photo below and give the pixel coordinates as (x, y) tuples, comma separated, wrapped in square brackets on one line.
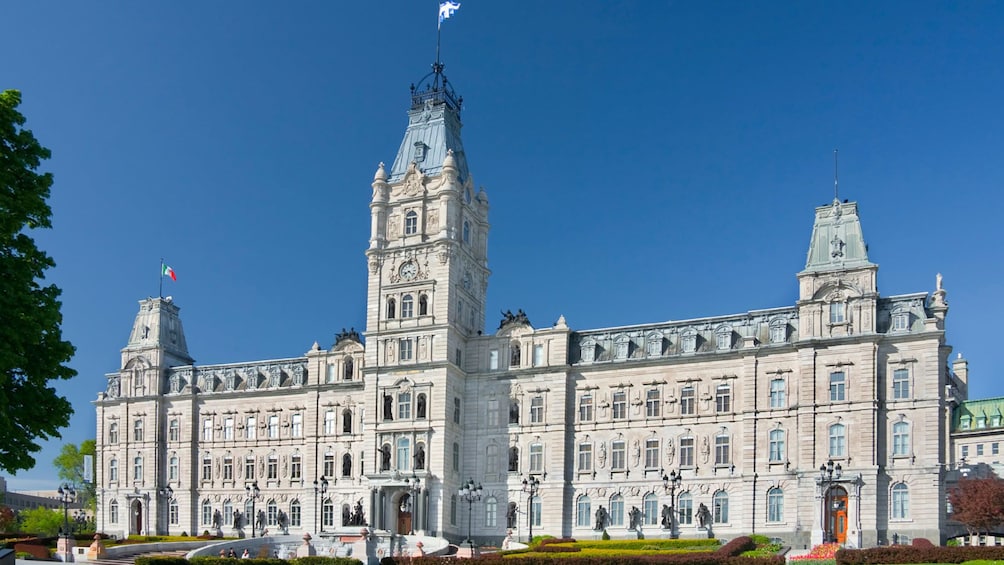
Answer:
[(404, 508), (835, 519), (137, 517)]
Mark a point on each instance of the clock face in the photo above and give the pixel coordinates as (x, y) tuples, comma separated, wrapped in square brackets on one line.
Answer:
[(467, 280), (409, 270)]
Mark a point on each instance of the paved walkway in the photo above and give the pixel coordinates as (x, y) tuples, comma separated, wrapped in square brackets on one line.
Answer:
[(124, 560)]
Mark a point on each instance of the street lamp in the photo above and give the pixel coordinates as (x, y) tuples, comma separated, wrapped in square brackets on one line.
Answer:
[(530, 487), (414, 486), (253, 493), (828, 474), (67, 494), (167, 493), (671, 482), (319, 489), (470, 493)]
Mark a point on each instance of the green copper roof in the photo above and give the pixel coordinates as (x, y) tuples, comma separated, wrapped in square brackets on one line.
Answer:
[(837, 241), (974, 415)]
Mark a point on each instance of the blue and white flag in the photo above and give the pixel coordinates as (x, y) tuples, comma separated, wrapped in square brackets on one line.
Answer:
[(446, 10)]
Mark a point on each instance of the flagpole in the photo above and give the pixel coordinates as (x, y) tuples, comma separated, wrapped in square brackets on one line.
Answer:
[(160, 290), (439, 30)]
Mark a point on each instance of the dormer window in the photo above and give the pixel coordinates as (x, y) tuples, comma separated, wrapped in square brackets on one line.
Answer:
[(420, 151), (900, 321), (724, 337), (411, 223), (688, 341), (779, 331)]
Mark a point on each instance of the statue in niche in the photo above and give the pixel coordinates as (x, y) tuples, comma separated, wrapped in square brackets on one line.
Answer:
[(385, 458), (603, 455), (513, 458), (514, 360), (836, 248), (113, 387), (510, 515), (347, 466), (601, 518), (703, 516), (420, 457), (346, 515), (670, 450), (260, 522), (513, 411), (421, 406), (238, 519), (217, 519), (388, 407), (357, 518), (635, 518)]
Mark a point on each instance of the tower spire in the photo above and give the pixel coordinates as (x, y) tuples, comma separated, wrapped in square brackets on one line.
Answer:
[(836, 193)]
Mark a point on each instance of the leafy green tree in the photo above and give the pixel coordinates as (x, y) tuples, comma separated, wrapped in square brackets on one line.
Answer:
[(70, 465), (41, 521), (32, 351)]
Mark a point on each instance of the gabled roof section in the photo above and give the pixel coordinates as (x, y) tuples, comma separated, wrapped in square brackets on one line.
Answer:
[(433, 128), (837, 242)]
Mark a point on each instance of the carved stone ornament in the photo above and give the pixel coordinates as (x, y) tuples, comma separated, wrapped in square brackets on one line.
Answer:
[(251, 378), (432, 221), (298, 372), (413, 183), (394, 226), (113, 387)]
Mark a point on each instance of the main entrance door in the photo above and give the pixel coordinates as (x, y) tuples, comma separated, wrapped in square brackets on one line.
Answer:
[(404, 515), (137, 517), (836, 509)]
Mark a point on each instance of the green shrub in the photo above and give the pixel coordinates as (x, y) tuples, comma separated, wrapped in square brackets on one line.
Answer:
[(760, 539), (910, 554), (142, 560), (605, 536)]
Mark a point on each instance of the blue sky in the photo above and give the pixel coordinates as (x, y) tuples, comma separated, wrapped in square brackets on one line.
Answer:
[(644, 160)]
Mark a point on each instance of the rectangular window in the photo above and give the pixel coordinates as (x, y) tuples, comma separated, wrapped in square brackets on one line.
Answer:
[(172, 513), (456, 457), (331, 374), (901, 384), (537, 410), (965, 451), (651, 454), (405, 345), (687, 401), (994, 448), (620, 405), (249, 468), (538, 355), (618, 456), (617, 511), (273, 426), (686, 504), (251, 431), (836, 312), (535, 511), (493, 360), (900, 321), (653, 403), (228, 468), (137, 469), (456, 410), (492, 414), (776, 445), (404, 406), (296, 427), (723, 398), (207, 469), (722, 451), (837, 386), (838, 441), (172, 469), (207, 429), (174, 431), (979, 449), (137, 430), (687, 452), (583, 512), (295, 467), (586, 408), (777, 394), (458, 357), (585, 457), (228, 428), (329, 465), (330, 420), (272, 469), (536, 457)]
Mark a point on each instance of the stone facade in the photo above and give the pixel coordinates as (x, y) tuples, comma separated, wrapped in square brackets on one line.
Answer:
[(745, 409)]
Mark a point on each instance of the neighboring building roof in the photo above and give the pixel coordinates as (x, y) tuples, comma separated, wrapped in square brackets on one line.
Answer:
[(977, 415)]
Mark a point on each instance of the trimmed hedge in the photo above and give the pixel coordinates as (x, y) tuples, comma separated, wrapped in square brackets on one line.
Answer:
[(913, 554), (706, 544), (737, 546), (311, 560)]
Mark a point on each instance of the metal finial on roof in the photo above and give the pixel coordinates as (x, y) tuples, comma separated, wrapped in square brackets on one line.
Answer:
[(836, 194)]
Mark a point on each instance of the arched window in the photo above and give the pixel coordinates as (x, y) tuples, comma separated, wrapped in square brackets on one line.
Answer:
[(616, 510), (775, 505), (776, 444), (420, 406), (583, 512), (172, 468), (137, 468), (391, 308), (174, 430), (113, 511), (272, 513), (346, 421), (113, 433), (900, 439), (536, 509), (327, 513), (137, 430), (407, 306), (467, 232), (650, 508), (423, 305), (410, 223), (685, 508), (207, 512), (838, 445), (900, 501), (295, 514), (349, 369), (720, 514), (347, 465), (113, 470), (491, 512), (228, 508)]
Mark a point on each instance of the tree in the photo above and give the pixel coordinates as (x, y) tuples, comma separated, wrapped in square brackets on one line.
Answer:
[(978, 503), (41, 521), (70, 465), (7, 519), (32, 351)]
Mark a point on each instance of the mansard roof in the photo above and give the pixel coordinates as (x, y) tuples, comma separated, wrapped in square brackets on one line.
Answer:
[(837, 241), (979, 415)]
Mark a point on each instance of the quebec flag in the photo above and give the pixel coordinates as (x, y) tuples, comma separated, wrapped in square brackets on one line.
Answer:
[(446, 10)]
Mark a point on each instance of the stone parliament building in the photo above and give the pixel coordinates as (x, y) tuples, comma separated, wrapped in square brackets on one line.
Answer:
[(827, 419)]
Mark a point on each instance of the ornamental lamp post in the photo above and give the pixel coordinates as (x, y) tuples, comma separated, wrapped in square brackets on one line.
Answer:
[(67, 494), (672, 482), (470, 493), (253, 494), (530, 487), (320, 488), (828, 475), (167, 493), (414, 486)]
